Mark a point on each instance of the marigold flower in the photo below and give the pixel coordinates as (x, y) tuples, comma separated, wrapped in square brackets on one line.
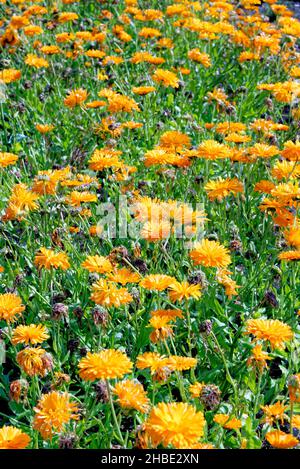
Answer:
[(157, 282), (33, 361), (53, 411), (33, 334), (13, 438), (166, 78), (281, 440), (271, 330), (107, 364), (228, 422), (48, 259), (9, 75), (179, 291), (131, 395), (210, 254), (221, 188), (107, 293), (98, 264), (176, 424), (7, 159), (76, 98), (10, 307), (274, 412)]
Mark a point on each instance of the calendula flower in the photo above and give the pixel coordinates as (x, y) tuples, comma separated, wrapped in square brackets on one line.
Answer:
[(162, 328), (221, 188), (195, 389), (271, 330), (152, 360), (171, 313), (48, 259), (291, 151), (143, 90), (9, 75), (107, 293), (75, 98), (258, 358), (166, 78), (35, 61), (200, 57), (33, 360), (107, 364), (13, 438), (123, 276), (7, 159), (105, 158), (33, 334), (228, 422), (274, 412), (181, 363), (281, 440), (20, 203), (213, 150), (157, 282), (131, 395), (44, 128), (289, 256), (53, 411), (99, 264), (10, 307), (176, 424), (210, 254), (179, 291)]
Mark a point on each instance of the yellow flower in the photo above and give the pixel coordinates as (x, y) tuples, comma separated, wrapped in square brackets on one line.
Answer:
[(271, 330), (180, 291), (131, 395), (34, 361), (9, 75), (53, 411), (48, 259), (107, 364), (10, 307), (157, 282), (75, 98), (221, 188), (196, 388), (33, 334), (98, 264), (7, 159), (166, 78), (107, 293), (13, 438), (281, 440), (123, 276), (210, 254), (227, 422), (274, 412), (176, 424)]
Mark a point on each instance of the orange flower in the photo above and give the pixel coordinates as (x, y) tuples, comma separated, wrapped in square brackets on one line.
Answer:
[(98, 264), (13, 438), (176, 424), (53, 411), (131, 395), (210, 254), (107, 364), (33, 334), (10, 307), (271, 330), (166, 78), (7, 159), (48, 259), (281, 440), (75, 98), (107, 293), (157, 282), (180, 291)]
